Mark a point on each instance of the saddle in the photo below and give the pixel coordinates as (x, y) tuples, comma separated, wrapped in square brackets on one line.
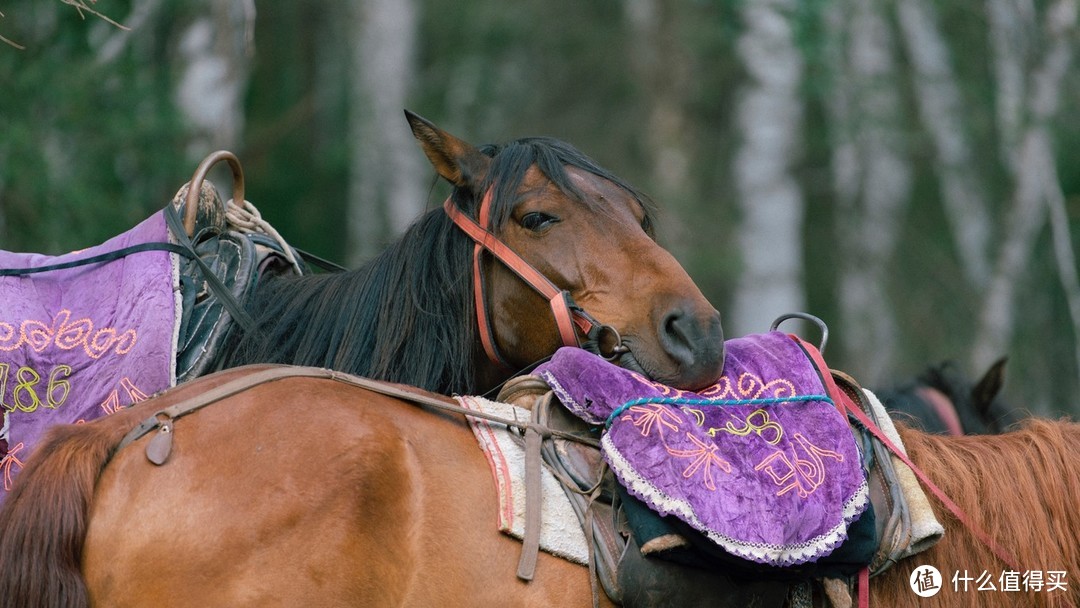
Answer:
[(99, 329), (644, 559), (230, 258)]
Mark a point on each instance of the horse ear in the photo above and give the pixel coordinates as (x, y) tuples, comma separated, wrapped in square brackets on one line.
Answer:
[(988, 387), (457, 161)]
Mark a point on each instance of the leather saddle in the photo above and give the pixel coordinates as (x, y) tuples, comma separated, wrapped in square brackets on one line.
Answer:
[(220, 272), (238, 260)]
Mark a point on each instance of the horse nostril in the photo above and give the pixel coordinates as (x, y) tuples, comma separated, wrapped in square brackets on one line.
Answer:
[(675, 336), (695, 343)]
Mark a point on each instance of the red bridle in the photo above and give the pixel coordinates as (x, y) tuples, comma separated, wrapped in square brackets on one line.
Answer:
[(944, 408), (569, 318)]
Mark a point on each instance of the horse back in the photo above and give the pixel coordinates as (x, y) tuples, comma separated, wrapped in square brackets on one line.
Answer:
[(45, 515), (306, 488)]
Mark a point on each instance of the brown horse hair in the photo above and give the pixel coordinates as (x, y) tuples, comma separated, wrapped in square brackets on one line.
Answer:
[(1022, 488), (59, 478)]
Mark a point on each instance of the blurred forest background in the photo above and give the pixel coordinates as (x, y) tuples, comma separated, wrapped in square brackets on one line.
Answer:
[(904, 169)]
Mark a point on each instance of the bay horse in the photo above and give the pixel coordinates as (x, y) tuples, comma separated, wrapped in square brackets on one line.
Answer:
[(310, 491), (565, 236), (943, 399)]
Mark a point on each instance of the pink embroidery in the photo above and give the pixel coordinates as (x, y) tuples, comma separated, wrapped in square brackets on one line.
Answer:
[(805, 474), (652, 416), (67, 335), (704, 458), (7, 462), (112, 404)]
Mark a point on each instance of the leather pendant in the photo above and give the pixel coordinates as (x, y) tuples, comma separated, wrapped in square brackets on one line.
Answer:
[(160, 446)]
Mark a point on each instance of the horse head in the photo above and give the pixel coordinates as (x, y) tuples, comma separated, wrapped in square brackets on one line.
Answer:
[(589, 236), (944, 399)]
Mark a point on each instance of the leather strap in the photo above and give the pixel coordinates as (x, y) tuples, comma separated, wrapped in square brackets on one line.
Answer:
[(568, 318), (236, 310), (530, 541), (864, 587), (943, 407), (270, 374), (848, 408), (104, 257)]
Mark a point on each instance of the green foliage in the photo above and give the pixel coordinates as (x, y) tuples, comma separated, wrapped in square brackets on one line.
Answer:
[(91, 140), (86, 148)]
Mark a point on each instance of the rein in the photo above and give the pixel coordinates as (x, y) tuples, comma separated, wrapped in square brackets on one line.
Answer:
[(568, 316), (846, 406)]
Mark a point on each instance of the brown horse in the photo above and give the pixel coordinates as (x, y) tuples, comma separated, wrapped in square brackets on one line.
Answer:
[(537, 247), (307, 491)]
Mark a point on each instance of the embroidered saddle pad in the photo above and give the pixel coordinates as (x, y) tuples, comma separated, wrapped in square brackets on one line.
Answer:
[(762, 463), (79, 343), (82, 342)]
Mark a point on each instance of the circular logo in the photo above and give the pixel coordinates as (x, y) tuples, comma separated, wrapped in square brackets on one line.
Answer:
[(925, 581)]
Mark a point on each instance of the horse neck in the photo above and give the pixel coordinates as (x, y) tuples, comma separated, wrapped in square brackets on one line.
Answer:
[(1022, 487), (406, 316)]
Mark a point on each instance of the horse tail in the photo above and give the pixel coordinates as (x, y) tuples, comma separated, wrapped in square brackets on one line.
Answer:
[(43, 522)]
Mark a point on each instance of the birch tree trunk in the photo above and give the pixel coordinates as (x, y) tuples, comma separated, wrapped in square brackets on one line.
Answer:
[(871, 177), (386, 174), (941, 109), (661, 64), (769, 115), (215, 52), (1025, 110)]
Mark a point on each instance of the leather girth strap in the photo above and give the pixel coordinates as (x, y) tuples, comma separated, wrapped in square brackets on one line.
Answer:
[(264, 374)]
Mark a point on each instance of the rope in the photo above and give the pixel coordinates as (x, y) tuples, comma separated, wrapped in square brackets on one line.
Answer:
[(248, 220), (712, 402)]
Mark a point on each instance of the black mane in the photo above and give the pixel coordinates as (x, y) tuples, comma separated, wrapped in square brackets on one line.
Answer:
[(407, 315)]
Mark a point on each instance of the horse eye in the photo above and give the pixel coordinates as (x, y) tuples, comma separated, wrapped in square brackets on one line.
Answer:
[(537, 221)]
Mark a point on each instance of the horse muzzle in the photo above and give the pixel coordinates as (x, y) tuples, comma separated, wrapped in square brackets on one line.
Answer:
[(690, 353), (694, 343)]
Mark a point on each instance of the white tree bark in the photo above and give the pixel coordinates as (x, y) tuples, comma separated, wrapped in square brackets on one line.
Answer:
[(941, 109), (662, 65), (1064, 254), (215, 54), (110, 44), (386, 178), (1027, 107), (769, 115), (1026, 214), (871, 176)]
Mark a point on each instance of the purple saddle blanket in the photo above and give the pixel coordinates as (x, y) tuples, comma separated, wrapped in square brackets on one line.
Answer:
[(762, 462), (79, 343)]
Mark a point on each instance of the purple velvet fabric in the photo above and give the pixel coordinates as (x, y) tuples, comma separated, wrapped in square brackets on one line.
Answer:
[(761, 462), (79, 343)]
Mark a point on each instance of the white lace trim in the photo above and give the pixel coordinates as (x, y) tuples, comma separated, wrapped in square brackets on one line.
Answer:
[(777, 555), (568, 400)]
